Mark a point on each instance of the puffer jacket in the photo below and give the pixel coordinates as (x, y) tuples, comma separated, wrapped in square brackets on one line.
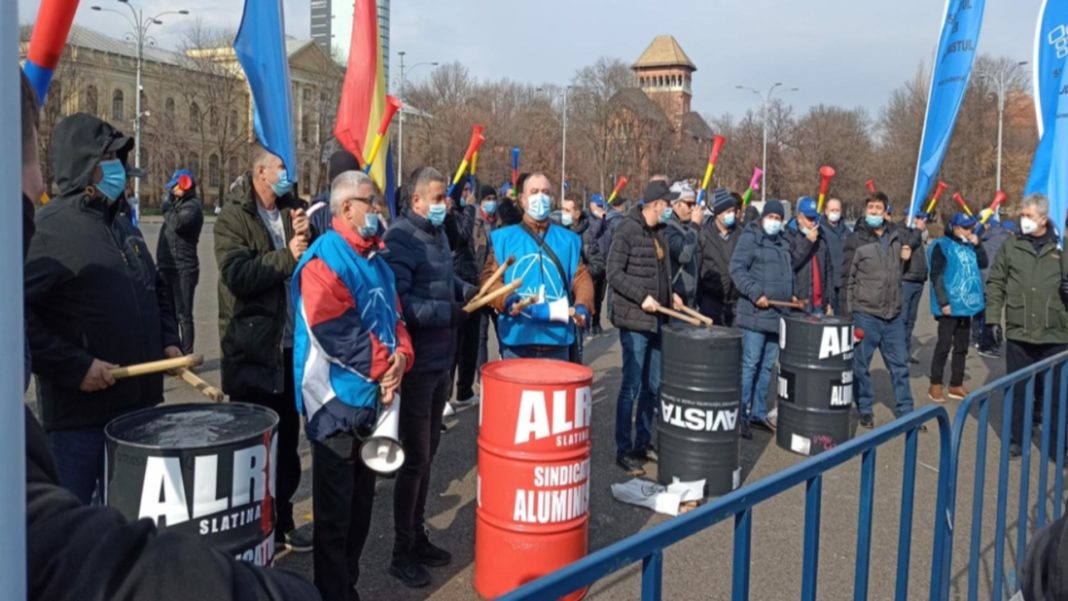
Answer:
[(683, 240), (872, 282), (1024, 283), (459, 229), (639, 265), (591, 250), (761, 266), (252, 296), (183, 219), (431, 294)]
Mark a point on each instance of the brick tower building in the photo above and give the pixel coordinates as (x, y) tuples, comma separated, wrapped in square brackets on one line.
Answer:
[(664, 73)]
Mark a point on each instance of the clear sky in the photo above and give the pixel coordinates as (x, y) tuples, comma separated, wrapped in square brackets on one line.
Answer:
[(844, 52)]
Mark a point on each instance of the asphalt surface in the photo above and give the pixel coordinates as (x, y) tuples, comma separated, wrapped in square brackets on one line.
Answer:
[(701, 566)]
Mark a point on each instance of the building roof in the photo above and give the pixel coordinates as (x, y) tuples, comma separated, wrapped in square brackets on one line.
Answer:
[(664, 51), (639, 102), (695, 125), (83, 37)]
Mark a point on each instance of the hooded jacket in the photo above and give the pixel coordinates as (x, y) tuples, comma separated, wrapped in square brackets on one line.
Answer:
[(639, 265), (872, 267), (683, 240), (92, 290), (183, 219)]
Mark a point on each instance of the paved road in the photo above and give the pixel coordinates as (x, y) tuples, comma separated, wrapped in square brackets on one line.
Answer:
[(700, 566)]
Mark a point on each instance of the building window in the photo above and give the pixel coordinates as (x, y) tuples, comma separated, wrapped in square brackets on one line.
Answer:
[(306, 127), (168, 110), (307, 176), (116, 106), (233, 124), (90, 100), (214, 178), (213, 119), (232, 169), (194, 165), (194, 117)]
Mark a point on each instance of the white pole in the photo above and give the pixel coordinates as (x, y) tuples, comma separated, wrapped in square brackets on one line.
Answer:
[(137, 102), (563, 151), (1001, 124), (764, 163), (12, 419), (400, 128)]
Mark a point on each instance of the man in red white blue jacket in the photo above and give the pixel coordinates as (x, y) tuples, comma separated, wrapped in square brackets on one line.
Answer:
[(351, 349)]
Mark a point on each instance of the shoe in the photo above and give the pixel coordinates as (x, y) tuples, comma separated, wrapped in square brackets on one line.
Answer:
[(630, 465), (646, 454), (429, 554), (867, 421), (293, 540), (764, 423), (444, 427), (470, 401), (957, 393), (935, 393), (448, 411), (1015, 450), (989, 353), (745, 431), (409, 571)]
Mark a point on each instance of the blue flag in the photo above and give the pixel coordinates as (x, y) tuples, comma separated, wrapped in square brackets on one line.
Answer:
[(949, 82), (260, 46), (391, 183), (1048, 177)]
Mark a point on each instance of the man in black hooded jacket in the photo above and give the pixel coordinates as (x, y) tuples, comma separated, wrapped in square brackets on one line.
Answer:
[(176, 252), (93, 301)]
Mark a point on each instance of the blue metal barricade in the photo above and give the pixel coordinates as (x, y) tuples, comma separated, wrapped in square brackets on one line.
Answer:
[(648, 546)]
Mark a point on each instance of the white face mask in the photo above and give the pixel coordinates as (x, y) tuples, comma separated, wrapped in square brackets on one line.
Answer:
[(834, 216), (1028, 226)]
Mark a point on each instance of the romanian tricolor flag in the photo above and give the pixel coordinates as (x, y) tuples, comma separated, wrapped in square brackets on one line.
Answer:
[(363, 95)]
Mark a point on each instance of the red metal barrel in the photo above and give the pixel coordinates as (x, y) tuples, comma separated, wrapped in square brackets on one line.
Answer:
[(533, 471)]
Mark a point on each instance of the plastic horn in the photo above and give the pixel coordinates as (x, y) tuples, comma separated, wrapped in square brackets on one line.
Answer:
[(870, 184), (826, 173), (622, 183), (717, 145), (482, 301), (515, 171), (471, 179), (203, 387), (155, 367), (963, 204), (472, 147), (939, 190), (382, 450), (392, 106), (498, 274), (754, 184), (999, 198), (54, 18)]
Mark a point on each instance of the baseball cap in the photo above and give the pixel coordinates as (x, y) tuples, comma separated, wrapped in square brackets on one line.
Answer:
[(658, 190)]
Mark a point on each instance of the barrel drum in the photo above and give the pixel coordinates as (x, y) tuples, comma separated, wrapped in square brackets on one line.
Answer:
[(532, 515), (700, 405), (815, 387), (198, 469)]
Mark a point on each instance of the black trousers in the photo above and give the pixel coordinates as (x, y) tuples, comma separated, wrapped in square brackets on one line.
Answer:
[(423, 396), (343, 491), (599, 285), (953, 332), (722, 313), (466, 363), (181, 286), (1019, 355), (287, 475)]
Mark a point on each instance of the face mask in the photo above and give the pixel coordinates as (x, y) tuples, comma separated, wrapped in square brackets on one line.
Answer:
[(834, 216), (805, 231), (370, 225), (566, 219), (666, 215), (772, 227), (283, 185), (874, 221), (538, 206), (489, 207), (436, 216), (963, 239), (114, 180), (729, 219), (1028, 226)]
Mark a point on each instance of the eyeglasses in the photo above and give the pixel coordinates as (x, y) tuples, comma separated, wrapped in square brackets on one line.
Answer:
[(367, 199)]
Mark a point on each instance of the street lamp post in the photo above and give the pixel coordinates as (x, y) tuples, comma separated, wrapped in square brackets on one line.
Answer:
[(1001, 82), (139, 34), (404, 109), (563, 143), (767, 101)]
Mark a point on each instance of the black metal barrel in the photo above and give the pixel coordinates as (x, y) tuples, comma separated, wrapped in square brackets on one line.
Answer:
[(815, 389), (199, 469), (700, 392)]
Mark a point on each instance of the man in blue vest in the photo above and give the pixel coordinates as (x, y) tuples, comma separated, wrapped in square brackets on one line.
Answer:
[(956, 295), (539, 319), (351, 349)]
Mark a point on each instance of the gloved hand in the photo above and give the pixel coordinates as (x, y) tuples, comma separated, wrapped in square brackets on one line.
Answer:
[(539, 312), (582, 315), (508, 302), (994, 334)]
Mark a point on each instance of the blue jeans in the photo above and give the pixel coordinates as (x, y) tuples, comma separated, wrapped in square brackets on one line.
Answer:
[(910, 306), (760, 350), (80, 461), (562, 353), (641, 381), (889, 337)]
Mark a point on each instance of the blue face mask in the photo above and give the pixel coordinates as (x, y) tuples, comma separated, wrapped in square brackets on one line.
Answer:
[(539, 206), (666, 215), (436, 216), (370, 225), (489, 207), (729, 219), (283, 185), (874, 221), (772, 227), (566, 219), (113, 181)]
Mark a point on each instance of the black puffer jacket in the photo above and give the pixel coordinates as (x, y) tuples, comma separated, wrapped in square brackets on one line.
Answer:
[(183, 219), (639, 265), (92, 290), (871, 282), (716, 287), (459, 228), (429, 290)]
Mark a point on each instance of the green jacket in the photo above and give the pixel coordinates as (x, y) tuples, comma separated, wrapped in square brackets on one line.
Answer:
[(1027, 286), (252, 297)]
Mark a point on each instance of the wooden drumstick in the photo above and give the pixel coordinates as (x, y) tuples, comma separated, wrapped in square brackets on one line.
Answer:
[(523, 304), (799, 305), (680, 316), (697, 315), (202, 386), (155, 367), (497, 275), (481, 301)]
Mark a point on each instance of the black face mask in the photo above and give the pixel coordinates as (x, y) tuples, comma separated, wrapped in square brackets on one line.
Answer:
[(28, 227)]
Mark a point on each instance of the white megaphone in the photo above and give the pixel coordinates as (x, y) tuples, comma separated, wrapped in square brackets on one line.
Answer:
[(559, 310), (382, 450)]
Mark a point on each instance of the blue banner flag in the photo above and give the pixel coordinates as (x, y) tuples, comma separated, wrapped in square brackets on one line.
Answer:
[(260, 46), (949, 82), (1048, 177), (391, 183)]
